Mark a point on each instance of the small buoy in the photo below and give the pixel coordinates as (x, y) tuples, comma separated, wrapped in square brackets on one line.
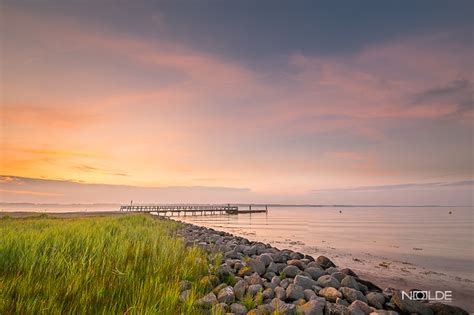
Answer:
[(450, 212), (340, 211)]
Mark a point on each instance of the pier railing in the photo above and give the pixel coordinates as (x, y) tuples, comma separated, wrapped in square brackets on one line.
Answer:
[(184, 210)]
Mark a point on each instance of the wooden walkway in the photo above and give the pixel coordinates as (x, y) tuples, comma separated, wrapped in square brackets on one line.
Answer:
[(193, 210)]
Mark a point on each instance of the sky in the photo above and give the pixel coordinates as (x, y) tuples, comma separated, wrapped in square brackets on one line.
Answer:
[(363, 102)]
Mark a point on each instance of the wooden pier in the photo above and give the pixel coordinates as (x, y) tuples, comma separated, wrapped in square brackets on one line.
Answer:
[(193, 210)]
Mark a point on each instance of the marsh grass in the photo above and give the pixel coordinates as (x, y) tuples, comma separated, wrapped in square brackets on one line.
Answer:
[(103, 265)]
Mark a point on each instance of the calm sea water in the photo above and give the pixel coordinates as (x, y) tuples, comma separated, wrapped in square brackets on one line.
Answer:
[(421, 235)]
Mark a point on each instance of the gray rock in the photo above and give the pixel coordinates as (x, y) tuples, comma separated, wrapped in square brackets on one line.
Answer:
[(266, 259), (309, 294), (313, 307), (269, 275), (254, 279), (268, 294), (238, 309), (294, 292), (226, 295), (224, 271), (342, 302), (291, 271), (328, 281), (359, 305), (376, 299), (272, 267), (240, 288), (338, 275), (275, 282), (257, 265), (445, 309), (250, 250), (283, 308), (305, 282), (220, 308), (280, 293), (285, 283), (332, 270), (296, 262), (183, 296), (349, 272), (350, 282), (352, 295), (254, 289), (315, 272), (324, 262), (329, 293), (337, 309), (409, 306), (207, 301)]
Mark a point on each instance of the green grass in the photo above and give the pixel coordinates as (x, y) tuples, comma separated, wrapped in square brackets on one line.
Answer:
[(104, 265)]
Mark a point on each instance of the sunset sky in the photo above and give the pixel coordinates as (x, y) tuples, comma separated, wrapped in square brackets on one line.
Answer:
[(366, 102)]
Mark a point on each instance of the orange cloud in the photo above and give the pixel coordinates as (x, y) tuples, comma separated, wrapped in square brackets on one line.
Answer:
[(26, 192)]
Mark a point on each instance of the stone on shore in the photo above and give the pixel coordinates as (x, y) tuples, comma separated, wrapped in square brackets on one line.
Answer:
[(257, 266), (329, 293), (240, 288), (226, 295), (254, 289), (305, 282), (337, 309), (312, 307), (291, 271), (294, 292), (350, 282), (266, 259), (280, 293), (376, 299), (358, 305), (409, 306), (315, 272), (207, 301), (283, 308), (324, 262), (352, 295), (238, 309), (328, 281), (444, 309)]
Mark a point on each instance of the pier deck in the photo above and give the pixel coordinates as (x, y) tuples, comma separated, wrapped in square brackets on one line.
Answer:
[(178, 210)]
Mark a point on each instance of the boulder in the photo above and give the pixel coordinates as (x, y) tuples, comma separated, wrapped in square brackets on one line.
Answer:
[(324, 262), (207, 301), (291, 271), (257, 265), (409, 306), (280, 293), (309, 294), (266, 259), (305, 282), (329, 293), (238, 309), (296, 262), (383, 312), (226, 295), (376, 299), (268, 294), (350, 282), (283, 308), (254, 289), (294, 292), (254, 279), (359, 305), (312, 307), (240, 288), (352, 295), (315, 272), (445, 309), (328, 281), (272, 267)]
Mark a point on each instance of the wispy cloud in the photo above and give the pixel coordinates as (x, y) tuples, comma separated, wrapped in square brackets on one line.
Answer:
[(407, 186)]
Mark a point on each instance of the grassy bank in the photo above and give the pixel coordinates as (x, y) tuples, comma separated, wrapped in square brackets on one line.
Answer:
[(109, 265)]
